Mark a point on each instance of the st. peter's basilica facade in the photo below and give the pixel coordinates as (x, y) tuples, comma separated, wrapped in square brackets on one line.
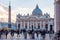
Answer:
[(37, 20)]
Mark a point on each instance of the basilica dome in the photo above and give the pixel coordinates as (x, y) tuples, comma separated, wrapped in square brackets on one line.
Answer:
[(37, 11)]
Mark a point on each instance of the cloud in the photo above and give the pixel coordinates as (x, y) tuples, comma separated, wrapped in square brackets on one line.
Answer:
[(49, 10)]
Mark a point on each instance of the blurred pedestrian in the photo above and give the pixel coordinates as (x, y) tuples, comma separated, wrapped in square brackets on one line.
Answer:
[(51, 33), (17, 33), (6, 33), (43, 32), (0, 34), (12, 33), (24, 33), (58, 35)]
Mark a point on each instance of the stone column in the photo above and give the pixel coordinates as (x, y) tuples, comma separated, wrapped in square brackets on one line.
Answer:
[(36, 25), (21, 25), (27, 30), (48, 26), (43, 23), (17, 25), (27, 25), (40, 24), (24, 24), (57, 14)]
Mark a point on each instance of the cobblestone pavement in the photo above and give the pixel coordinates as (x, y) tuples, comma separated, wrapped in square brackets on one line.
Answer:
[(21, 37)]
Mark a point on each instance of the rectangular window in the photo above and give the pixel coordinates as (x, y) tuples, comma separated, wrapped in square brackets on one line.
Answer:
[(26, 25), (18, 26), (51, 28), (46, 26), (38, 25)]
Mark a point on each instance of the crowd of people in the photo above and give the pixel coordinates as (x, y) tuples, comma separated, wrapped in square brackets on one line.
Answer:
[(5, 32), (31, 32)]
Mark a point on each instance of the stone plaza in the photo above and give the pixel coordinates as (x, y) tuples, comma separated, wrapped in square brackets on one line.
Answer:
[(21, 37)]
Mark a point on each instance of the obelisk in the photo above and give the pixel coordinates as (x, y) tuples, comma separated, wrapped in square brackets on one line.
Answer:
[(9, 16), (57, 14)]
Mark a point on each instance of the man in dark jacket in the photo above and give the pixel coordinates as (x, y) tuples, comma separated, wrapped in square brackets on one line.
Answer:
[(12, 33), (6, 33)]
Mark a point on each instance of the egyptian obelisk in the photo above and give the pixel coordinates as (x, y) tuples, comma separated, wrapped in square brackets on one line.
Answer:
[(9, 16), (57, 14)]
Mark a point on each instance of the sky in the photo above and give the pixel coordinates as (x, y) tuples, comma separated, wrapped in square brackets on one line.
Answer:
[(28, 3), (27, 6)]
